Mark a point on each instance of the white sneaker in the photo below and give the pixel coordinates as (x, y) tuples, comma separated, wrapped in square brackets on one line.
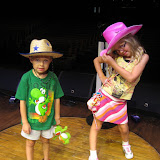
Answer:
[(92, 158), (127, 151)]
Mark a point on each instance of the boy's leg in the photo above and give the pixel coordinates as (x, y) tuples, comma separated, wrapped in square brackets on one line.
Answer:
[(30, 149), (46, 135), (46, 145)]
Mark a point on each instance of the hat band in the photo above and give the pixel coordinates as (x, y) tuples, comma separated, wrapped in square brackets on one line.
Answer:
[(110, 35)]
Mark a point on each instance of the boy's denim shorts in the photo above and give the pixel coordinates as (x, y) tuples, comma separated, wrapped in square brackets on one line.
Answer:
[(35, 134)]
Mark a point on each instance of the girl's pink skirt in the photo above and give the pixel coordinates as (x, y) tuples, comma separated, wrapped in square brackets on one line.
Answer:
[(112, 109)]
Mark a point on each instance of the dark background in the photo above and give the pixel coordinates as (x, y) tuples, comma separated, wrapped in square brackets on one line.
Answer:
[(74, 29)]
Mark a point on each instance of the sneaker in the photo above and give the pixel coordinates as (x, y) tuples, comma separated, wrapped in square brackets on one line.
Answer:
[(127, 151), (92, 158)]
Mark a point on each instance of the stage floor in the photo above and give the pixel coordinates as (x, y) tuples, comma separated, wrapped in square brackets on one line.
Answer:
[(12, 144)]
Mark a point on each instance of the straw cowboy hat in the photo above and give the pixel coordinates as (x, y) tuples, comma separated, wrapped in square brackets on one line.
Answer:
[(115, 32), (41, 48)]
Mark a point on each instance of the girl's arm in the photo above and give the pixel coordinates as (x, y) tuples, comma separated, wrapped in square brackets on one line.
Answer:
[(26, 126), (97, 63), (57, 110), (129, 76)]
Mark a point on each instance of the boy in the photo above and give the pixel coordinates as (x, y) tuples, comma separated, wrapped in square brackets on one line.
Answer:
[(39, 92)]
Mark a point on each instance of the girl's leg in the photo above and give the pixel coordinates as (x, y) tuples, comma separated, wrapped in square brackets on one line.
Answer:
[(124, 130), (96, 126), (46, 144), (30, 149)]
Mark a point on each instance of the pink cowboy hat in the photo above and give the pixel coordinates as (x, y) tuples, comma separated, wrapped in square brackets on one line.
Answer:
[(115, 32)]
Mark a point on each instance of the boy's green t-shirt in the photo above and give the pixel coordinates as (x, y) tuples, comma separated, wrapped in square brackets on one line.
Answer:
[(39, 95)]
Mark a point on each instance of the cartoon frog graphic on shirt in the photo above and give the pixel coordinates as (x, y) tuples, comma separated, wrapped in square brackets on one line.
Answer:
[(40, 101)]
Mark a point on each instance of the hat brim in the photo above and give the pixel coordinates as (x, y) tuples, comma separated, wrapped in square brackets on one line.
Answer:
[(133, 30), (51, 54)]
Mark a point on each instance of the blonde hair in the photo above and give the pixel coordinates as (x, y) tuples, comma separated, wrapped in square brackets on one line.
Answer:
[(137, 50)]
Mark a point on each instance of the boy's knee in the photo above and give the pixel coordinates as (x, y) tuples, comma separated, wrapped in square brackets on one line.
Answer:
[(30, 143)]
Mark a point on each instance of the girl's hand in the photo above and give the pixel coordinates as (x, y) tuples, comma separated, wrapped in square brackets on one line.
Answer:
[(26, 128), (107, 83), (108, 59)]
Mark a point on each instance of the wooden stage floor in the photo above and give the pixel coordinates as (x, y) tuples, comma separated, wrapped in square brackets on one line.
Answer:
[(12, 144)]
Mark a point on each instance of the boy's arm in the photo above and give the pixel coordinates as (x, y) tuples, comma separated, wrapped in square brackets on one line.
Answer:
[(57, 110), (26, 126)]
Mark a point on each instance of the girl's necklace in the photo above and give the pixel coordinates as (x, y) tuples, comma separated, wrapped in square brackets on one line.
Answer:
[(116, 74), (40, 78)]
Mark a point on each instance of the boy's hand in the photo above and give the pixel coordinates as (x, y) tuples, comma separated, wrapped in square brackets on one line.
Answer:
[(57, 119), (26, 128)]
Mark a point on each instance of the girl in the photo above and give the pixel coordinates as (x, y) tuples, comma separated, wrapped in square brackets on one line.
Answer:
[(127, 58)]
